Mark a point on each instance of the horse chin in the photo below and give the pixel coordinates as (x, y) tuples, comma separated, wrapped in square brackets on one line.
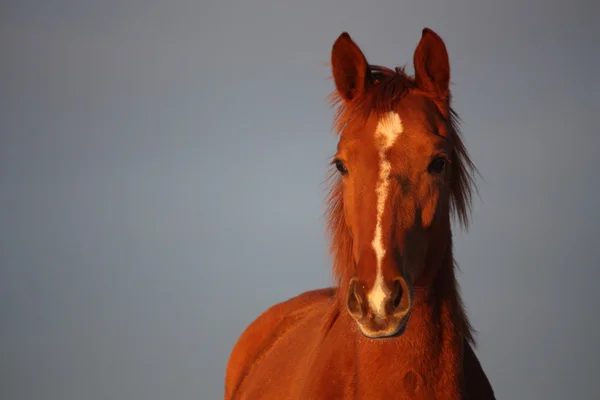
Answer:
[(389, 333)]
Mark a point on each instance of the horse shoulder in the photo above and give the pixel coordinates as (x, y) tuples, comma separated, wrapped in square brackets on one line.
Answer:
[(256, 336), (476, 381)]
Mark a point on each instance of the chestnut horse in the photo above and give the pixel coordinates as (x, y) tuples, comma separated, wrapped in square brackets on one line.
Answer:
[(394, 327)]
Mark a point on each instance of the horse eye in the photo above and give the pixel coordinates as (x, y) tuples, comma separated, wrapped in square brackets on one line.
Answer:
[(340, 167), (437, 165)]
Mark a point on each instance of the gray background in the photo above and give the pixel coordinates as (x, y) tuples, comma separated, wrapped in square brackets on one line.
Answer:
[(162, 168)]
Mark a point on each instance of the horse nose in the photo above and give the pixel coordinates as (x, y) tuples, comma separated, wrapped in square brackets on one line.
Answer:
[(380, 312), (397, 304)]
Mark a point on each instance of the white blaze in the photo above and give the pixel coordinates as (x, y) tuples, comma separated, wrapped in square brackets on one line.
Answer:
[(388, 130)]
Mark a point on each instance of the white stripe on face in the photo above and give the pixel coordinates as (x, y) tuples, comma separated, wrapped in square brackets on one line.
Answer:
[(388, 130)]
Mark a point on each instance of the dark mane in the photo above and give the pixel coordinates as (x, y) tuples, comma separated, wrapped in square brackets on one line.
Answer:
[(387, 88)]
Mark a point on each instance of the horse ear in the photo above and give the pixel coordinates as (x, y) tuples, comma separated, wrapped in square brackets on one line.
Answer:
[(432, 66), (350, 68)]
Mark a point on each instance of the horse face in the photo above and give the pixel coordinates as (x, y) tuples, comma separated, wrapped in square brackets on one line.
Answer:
[(393, 157)]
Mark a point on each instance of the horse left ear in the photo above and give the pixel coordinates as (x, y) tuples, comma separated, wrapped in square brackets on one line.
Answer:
[(432, 66)]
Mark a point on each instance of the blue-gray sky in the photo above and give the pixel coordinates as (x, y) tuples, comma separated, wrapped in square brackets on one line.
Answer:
[(161, 183)]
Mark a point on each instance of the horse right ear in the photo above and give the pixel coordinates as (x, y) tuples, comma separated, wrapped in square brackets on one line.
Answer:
[(432, 66), (350, 68)]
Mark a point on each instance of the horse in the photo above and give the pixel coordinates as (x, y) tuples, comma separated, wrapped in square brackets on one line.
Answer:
[(394, 325)]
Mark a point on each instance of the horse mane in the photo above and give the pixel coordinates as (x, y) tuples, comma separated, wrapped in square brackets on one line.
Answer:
[(387, 88)]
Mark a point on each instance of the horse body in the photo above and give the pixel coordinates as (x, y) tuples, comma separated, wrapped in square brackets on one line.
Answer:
[(394, 326), (292, 351)]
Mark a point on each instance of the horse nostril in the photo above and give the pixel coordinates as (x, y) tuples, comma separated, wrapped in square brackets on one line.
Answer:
[(401, 297), (355, 299), (396, 294)]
